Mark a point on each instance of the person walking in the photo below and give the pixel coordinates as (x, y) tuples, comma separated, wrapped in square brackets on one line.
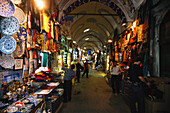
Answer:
[(86, 69), (136, 90), (115, 72), (68, 76), (78, 69), (93, 65)]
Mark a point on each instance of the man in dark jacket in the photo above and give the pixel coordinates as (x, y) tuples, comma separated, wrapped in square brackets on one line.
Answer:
[(68, 76), (137, 80), (78, 69), (86, 69)]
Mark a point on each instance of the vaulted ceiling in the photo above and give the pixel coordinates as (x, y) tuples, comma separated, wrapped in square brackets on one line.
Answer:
[(102, 17)]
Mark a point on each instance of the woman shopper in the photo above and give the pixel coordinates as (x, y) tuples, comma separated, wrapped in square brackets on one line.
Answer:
[(115, 72)]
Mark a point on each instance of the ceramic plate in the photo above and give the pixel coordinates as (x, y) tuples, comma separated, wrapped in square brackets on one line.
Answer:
[(7, 44), (19, 51), (12, 109), (20, 15), (8, 61), (22, 33), (7, 8), (16, 1), (9, 26), (19, 104)]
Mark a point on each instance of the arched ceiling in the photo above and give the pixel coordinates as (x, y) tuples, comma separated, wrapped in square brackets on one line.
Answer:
[(102, 17)]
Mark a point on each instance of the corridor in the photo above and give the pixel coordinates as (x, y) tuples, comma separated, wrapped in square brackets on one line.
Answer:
[(93, 95)]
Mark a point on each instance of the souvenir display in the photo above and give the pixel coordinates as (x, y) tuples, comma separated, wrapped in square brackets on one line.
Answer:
[(7, 8), (7, 44), (9, 26), (7, 61)]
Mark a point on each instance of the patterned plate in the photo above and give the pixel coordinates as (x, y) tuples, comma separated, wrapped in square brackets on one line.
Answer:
[(22, 33), (8, 61), (19, 51), (20, 15), (7, 44), (16, 1), (7, 8), (9, 26)]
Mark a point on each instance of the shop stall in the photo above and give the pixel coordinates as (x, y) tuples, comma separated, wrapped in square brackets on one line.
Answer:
[(30, 60)]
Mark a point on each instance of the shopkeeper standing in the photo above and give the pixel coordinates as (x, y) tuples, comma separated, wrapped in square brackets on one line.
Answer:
[(68, 76)]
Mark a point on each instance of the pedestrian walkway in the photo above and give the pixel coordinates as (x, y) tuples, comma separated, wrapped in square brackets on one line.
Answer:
[(93, 95)]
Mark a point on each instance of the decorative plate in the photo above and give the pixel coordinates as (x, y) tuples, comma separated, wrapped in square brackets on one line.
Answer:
[(9, 26), (25, 101), (23, 109), (1, 60), (16, 1), (12, 109), (20, 49), (7, 8), (22, 33), (20, 15), (19, 104), (7, 44), (8, 61)]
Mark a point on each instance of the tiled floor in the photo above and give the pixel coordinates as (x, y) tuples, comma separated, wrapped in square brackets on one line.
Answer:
[(93, 95)]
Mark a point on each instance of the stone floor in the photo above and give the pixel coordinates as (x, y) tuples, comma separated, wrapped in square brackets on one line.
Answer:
[(93, 95)]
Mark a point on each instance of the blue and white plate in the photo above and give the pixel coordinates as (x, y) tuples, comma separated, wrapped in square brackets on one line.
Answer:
[(16, 1), (20, 15), (7, 44), (7, 8), (9, 26), (8, 61)]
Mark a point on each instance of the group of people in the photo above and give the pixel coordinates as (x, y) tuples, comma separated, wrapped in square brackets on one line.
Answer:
[(136, 81), (73, 73)]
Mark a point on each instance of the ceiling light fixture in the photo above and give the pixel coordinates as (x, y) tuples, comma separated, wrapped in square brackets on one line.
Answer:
[(74, 42), (124, 21), (87, 39), (40, 4), (86, 30), (110, 40), (68, 37)]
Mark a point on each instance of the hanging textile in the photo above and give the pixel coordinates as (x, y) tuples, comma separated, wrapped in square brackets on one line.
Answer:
[(45, 22), (42, 41), (44, 60), (140, 33), (52, 30), (34, 37), (145, 29), (145, 67), (45, 41), (56, 33), (49, 33)]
